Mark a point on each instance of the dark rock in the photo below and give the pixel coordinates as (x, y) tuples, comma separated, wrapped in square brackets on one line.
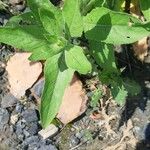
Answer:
[(38, 88), (20, 124), (19, 108), (34, 146), (26, 133), (139, 132), (19, 130), (79, 135), (74, 140), (30, 115), (20, 137), (32, 128), (2, 71), (8, 101), (47, 147), (31, 139)]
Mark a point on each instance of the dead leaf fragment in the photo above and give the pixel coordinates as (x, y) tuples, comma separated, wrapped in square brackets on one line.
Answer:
[(135, 10), (97, 116), (22, 73), (141, 48)]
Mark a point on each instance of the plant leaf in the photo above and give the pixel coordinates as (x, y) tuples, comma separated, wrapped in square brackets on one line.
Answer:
[(119, 93), (103, 54), (73, 18), (88, 5), (39, 55), (32, 39), (49, 22), (28, 38), (26, 18), (104, 25), (97, 94), (42, 9), (145, 7), (131, 86), (110, 75), (57, 78), (36, 4), (76, 60), (57, 45)]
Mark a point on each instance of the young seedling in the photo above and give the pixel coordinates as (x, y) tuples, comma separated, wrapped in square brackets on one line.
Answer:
[(49, 33)]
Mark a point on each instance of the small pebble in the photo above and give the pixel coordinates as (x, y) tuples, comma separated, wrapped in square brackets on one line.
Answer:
[(47, 147), (14, 119), (72, 129), (30, 115), (49, 131), (8, 100), (32, 128), (79, 135), (30, 140), (74, 140), (4, 116), (19, 108), (2, 71), (26, 133)]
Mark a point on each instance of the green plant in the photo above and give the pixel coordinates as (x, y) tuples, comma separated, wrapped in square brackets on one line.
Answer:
[(54, 34), (96, 95)]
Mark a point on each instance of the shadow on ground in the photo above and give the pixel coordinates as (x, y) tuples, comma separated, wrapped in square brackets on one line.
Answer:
[(138, 71), (144, 144)]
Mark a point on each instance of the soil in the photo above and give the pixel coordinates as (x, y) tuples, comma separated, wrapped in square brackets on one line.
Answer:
[(113, 128)]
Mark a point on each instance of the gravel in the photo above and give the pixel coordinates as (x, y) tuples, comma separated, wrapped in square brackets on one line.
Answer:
[(29, 115), (74, 140), (4, 117), (19, 108)]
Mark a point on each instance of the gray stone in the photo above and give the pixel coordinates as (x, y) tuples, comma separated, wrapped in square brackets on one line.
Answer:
[(2, 71), (38, 88), (32, 128), (4, 116), (20, 7), (47, 147), (30, 115), (20, 124), (79, 135), (50, 131), (19, 130), (139, 132), (34, 146), (74, 140), (31, 139), (20, 137), (26, 133), (8, 101), (19, 108)]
